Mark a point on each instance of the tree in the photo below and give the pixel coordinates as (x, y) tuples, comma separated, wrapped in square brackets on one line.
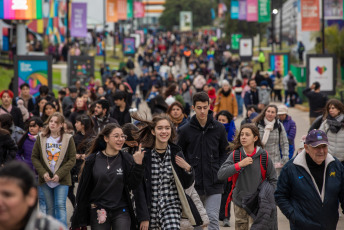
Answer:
[(200, 9)]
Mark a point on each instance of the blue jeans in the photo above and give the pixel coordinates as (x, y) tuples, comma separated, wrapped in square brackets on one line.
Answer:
[(55, 199), (41, 201), (291, 151), (240, 102)]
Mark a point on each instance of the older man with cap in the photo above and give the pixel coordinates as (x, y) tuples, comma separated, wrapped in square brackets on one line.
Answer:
[(310, 186), (289, 126)]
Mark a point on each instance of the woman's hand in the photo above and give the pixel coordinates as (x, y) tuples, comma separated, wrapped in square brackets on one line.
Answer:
[(55, 178), (183, 164), (144, 225), (245, 162), (138, 155), (46, 177)]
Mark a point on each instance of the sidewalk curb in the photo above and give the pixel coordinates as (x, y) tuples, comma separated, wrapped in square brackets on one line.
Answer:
[(302, 108)]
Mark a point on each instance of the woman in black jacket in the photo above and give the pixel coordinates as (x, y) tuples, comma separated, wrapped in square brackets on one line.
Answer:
[(103, 199), (166, 176), (8, 147)]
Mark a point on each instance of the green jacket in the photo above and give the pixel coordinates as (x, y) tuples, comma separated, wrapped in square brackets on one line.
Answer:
[(64, 164), (261, 57)]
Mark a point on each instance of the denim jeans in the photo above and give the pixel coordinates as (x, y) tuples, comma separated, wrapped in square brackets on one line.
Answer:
[(240, 102), (55, 199), (41, 201), (212, 205)]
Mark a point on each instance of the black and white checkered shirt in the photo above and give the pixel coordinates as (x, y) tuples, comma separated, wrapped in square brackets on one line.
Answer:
[(166, 206)]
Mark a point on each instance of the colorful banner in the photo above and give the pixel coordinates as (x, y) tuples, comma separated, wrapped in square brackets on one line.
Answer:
[(185, 21), (122, 9), (34, 70), (235, 38), (21, 9), (79, 20), (129, 46), (139, 10), (264, 11), (222, 9), (279, 62), (234, 9), (212, 11), (80, 68), (252, 11), (111, 11), (242, 9), (130, 9), (333, 9), (5, 39), (310, 19)]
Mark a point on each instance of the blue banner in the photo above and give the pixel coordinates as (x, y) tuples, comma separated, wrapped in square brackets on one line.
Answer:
[(213, 16), (234, 10)]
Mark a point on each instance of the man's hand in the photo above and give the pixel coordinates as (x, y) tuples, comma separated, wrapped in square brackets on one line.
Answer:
[(245, 162)]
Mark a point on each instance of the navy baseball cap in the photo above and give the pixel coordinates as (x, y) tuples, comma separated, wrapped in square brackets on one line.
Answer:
[(316, 137)]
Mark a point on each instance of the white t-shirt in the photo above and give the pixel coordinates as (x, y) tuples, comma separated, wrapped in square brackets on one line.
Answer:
[(53, 149)]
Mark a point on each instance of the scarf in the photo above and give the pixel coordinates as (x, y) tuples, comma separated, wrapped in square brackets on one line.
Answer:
[(335, 123), (178, 120), (269, 126), (230, 129), (226, 93), (32, 137)]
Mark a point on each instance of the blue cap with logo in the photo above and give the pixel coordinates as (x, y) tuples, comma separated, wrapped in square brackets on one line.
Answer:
[(316, 137)]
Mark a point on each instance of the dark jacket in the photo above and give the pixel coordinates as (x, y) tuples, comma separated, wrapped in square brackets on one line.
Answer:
[(205, 150), (75, 114), (132, 177), (300, 201), (121, 118), (8, 148), (317, 102), (251, 98), (99, 124), (290, 128), (16, 115)]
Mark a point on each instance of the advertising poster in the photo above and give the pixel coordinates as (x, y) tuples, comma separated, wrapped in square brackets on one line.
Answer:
[(310, 19), (246, 49), (79, 20), (242, 9), (80, 68), (264, 10), (322, 68), (137, 40), (235, 38), (111, 11), (279, 62), (122, 9), (21, 9), (333, 9), (139, 10), (185, 21), (34, 70), (252, 11), (129, 46), (234, 9)]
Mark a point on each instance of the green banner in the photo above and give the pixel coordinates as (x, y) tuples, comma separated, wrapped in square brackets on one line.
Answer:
[(130, 6), (264, 10), (235, 41)]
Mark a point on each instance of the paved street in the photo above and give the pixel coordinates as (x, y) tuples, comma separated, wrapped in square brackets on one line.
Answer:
[(302, 124)]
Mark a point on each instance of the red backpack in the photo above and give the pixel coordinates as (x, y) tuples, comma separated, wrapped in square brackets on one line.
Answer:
[(237, 157)]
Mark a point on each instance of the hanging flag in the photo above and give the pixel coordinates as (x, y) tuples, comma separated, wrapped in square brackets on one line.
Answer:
[(21, 10), (79, 20), (310, 19), (242, 9), (252, 11), (212, 11), (122, 9), (139, 10), (234, 9), (111, 11), (264, 11), (130, 9), (222, 9)]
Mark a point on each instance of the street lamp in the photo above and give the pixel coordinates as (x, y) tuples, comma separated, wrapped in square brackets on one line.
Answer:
[(275, 11)]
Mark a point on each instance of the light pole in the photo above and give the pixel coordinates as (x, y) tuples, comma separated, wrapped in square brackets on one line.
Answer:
[(104, 24), (274, 12), (323, 26)]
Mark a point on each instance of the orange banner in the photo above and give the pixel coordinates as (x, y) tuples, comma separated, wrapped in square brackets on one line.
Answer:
[(310, 19), (122, 9), (111, 11)]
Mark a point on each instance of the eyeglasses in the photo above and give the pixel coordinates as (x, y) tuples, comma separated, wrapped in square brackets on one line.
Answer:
[(117, 137)]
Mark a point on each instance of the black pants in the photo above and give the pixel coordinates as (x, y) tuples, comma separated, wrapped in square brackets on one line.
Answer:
[(278, 95), (71, 195), (227, 190), (116, 220), (262, 66)]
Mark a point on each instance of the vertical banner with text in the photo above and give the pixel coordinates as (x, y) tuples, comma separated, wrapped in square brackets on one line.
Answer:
[(242, 9), (252, 11), (310, 19), (111, 11), (122, 9), (264, 10), (139, 10), (79, 20), (130, 9), (234, 9)]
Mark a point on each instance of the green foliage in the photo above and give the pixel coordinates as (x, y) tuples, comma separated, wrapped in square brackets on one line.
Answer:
[(200, 12)]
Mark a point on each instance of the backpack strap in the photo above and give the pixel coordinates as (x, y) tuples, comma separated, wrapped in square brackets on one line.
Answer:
[(263, 164)]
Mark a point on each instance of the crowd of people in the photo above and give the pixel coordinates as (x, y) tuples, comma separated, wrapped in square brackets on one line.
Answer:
[(183, 167)]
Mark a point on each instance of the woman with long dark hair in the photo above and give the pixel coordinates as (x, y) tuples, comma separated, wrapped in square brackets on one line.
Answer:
[(48, 109), (177, 115), (166, 175), (103, 198), (53, 156)]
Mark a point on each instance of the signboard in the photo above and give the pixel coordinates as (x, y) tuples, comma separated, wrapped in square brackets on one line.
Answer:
[(122, 9), (322, 68), (279, 62), (264, 11), (137, 39), (79, 20), (139, 10), (310, 19), (129, 48), (246, 49), (242, 9), (80, 68), (21, 9), (333, 9), (185, 20), (252, 11), (234, 9), (130, 9), (235, 38), (111, 11), (34, 70)]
